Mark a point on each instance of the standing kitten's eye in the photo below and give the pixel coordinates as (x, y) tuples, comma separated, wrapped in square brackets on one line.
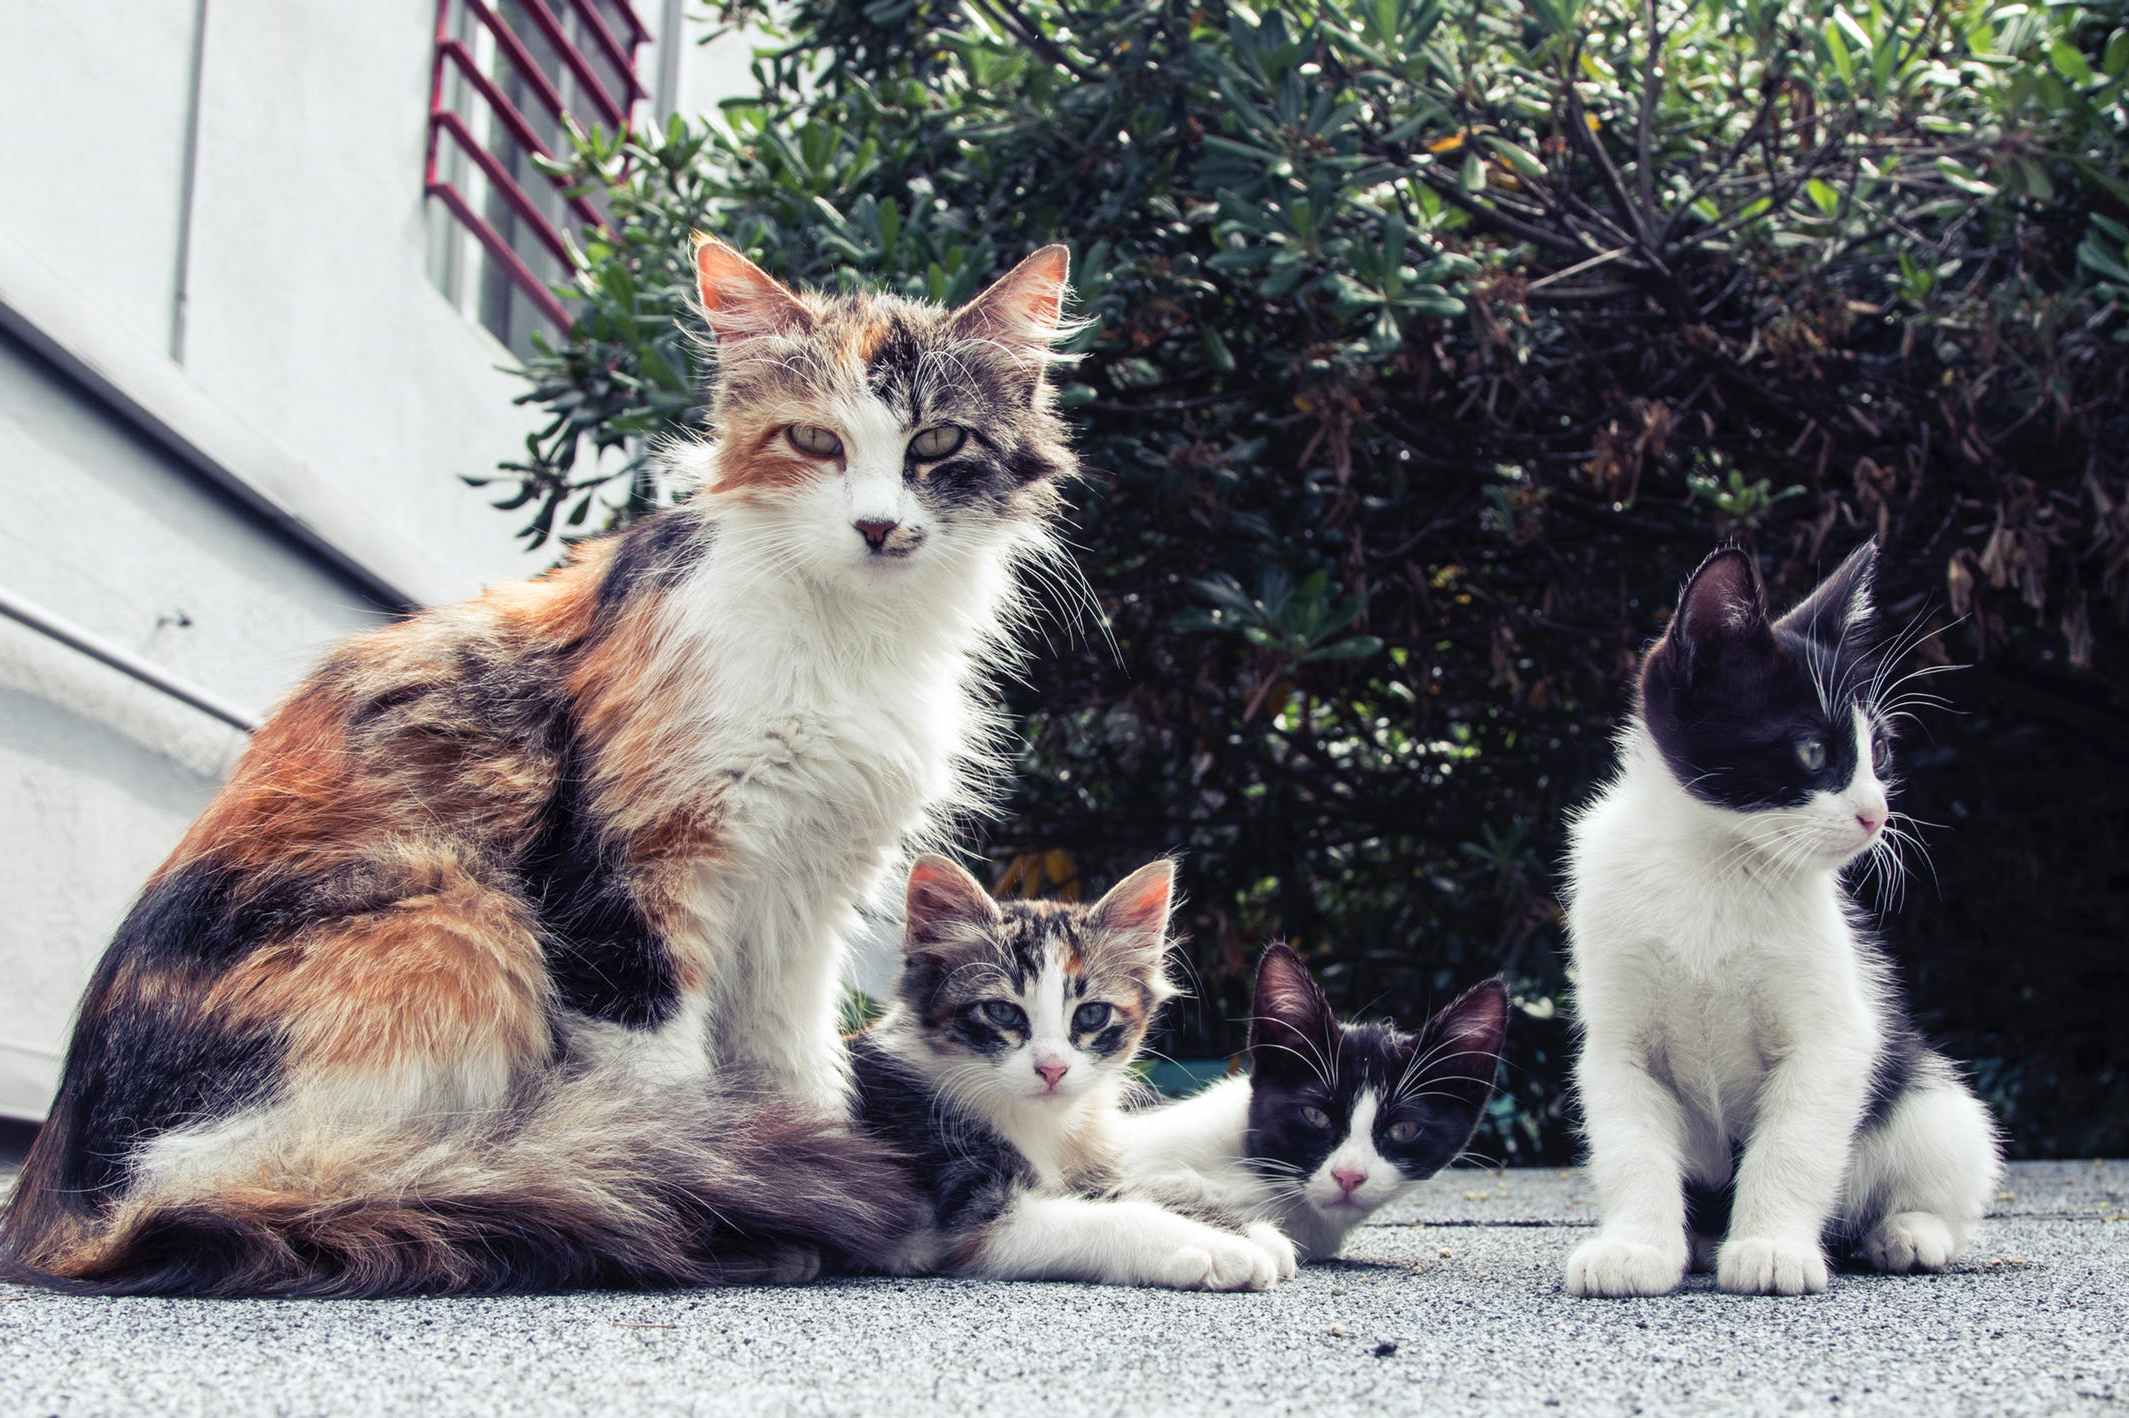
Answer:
[(1089, 1017), (937, 442), (1403, 1132), (1811, 752), (1001, 1015), (1316, 1118), (813, 439)]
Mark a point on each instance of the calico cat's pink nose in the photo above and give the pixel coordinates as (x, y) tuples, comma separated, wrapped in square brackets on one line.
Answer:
[(875, 531), (1051, 1072), (1347, 1179)]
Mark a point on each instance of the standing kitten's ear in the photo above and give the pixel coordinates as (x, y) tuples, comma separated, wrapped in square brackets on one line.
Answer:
[(1722, 607), (1023, 307), (945, 906), (1291, 1023), (1132, 918), (740, 298), (1844, 604)]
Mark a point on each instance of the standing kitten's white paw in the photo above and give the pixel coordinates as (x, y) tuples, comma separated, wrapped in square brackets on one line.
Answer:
[(1217, 1262), (1769, 1265), (1611, 1267), (1909, 1241), (1273, 1242)]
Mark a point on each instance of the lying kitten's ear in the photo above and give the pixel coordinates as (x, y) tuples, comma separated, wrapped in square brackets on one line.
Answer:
[(1291, 1023), (1842, 608), (1132, 918), (945, 906), (740, 298), (1024, 306), (1722, 607), (1463, 1041)]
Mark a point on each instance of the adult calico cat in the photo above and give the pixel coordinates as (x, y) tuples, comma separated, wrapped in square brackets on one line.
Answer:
[(509, 957)]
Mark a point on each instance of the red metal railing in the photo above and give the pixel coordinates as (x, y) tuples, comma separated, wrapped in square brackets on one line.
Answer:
[(613, 110)]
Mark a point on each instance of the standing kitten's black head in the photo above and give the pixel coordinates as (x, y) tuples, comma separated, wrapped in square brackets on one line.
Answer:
[(1348, 1115), (1776, 717)]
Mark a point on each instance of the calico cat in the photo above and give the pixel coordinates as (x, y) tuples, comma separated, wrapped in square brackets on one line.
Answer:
[(1745, 1047), (510, 955), (1333, 1119), (999, 1071)]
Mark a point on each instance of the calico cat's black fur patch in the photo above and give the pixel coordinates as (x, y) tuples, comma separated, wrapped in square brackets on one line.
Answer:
[(968, 1175)]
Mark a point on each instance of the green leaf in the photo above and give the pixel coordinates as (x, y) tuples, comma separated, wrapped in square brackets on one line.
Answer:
[(1823, 196), (1473, 176), (1837, 51), (2069, 63)]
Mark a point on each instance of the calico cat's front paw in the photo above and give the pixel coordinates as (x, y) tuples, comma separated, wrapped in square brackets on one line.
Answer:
[(1910, 1241), (1610, 1267), (1274, 1243), (1218, 1262), (1770, 1265)]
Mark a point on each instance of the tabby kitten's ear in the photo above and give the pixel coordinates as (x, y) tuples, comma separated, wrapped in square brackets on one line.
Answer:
[(1132, 918), (740, 298), (1722, 609), (1291, 1023), (1462, 1043), (946, 908), (1843, 605), (1024, 306)]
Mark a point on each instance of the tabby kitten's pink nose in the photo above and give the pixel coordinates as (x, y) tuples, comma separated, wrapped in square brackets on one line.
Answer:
[(875, 531), (1347, 1179), (1052, 1072)]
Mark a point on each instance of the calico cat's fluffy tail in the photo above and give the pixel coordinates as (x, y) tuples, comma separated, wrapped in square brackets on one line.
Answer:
[(585, 1184)]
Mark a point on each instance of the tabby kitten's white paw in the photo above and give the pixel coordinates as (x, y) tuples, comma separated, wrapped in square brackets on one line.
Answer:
[(1910, 1241), (1611, 1267), (1770, 1265), (1274, 1243)]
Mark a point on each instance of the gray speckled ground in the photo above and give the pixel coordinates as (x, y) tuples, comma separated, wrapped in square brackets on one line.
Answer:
[(1451, 1304)]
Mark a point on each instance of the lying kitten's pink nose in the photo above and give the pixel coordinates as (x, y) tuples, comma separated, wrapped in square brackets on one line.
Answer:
[(1869, 822), (1051, 1072), (1347, 1179)]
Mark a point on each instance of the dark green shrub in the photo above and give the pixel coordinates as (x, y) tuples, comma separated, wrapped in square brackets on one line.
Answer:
[(1435, 342)]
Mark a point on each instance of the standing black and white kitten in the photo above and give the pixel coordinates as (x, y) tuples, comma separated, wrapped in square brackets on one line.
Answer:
[(1745, 1047), (999, 1072), (1332, 1120)]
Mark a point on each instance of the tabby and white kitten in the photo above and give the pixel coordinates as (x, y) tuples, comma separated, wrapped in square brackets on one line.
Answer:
[(1747, 1061), (1000, 1070), (1332, 1121), (510, 956)]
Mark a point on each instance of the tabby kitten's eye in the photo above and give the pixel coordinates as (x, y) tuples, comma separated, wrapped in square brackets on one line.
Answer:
[(1811, 752), (1089, 1017), (811, 438), (1403, 1132), (1316, 1118), (938, 442), (1001, 1015)]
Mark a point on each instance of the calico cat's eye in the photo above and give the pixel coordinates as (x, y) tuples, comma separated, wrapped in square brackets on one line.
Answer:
[(1089, 1017), (1403, 1132), (1316, 1118), (1811, 752), (938, 441), (1000, 1014), (812, 439)]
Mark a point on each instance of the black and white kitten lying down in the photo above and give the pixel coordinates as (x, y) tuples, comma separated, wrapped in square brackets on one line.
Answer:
[(1331, 1121), (999, 1073), (1745, 1047)]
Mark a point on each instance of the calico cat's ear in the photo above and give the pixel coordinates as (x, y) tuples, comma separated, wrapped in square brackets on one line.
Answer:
[(1291, 1023), (1462, 1042), (1024, 306), (1844, 604), (1132, 918), (945, 907), (740, 299), (1722, 606)]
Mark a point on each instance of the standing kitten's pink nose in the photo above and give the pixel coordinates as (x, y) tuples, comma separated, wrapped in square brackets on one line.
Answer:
[(1347, 1179), (1051, 1072)]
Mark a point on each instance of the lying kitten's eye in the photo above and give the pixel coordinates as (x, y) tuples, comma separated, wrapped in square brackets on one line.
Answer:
[(937, 442), (813, 439), (1089, 1017), (1881, 753), (1811, 752), (1403, 1132), (1001, 1015), (1316, 1118)]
